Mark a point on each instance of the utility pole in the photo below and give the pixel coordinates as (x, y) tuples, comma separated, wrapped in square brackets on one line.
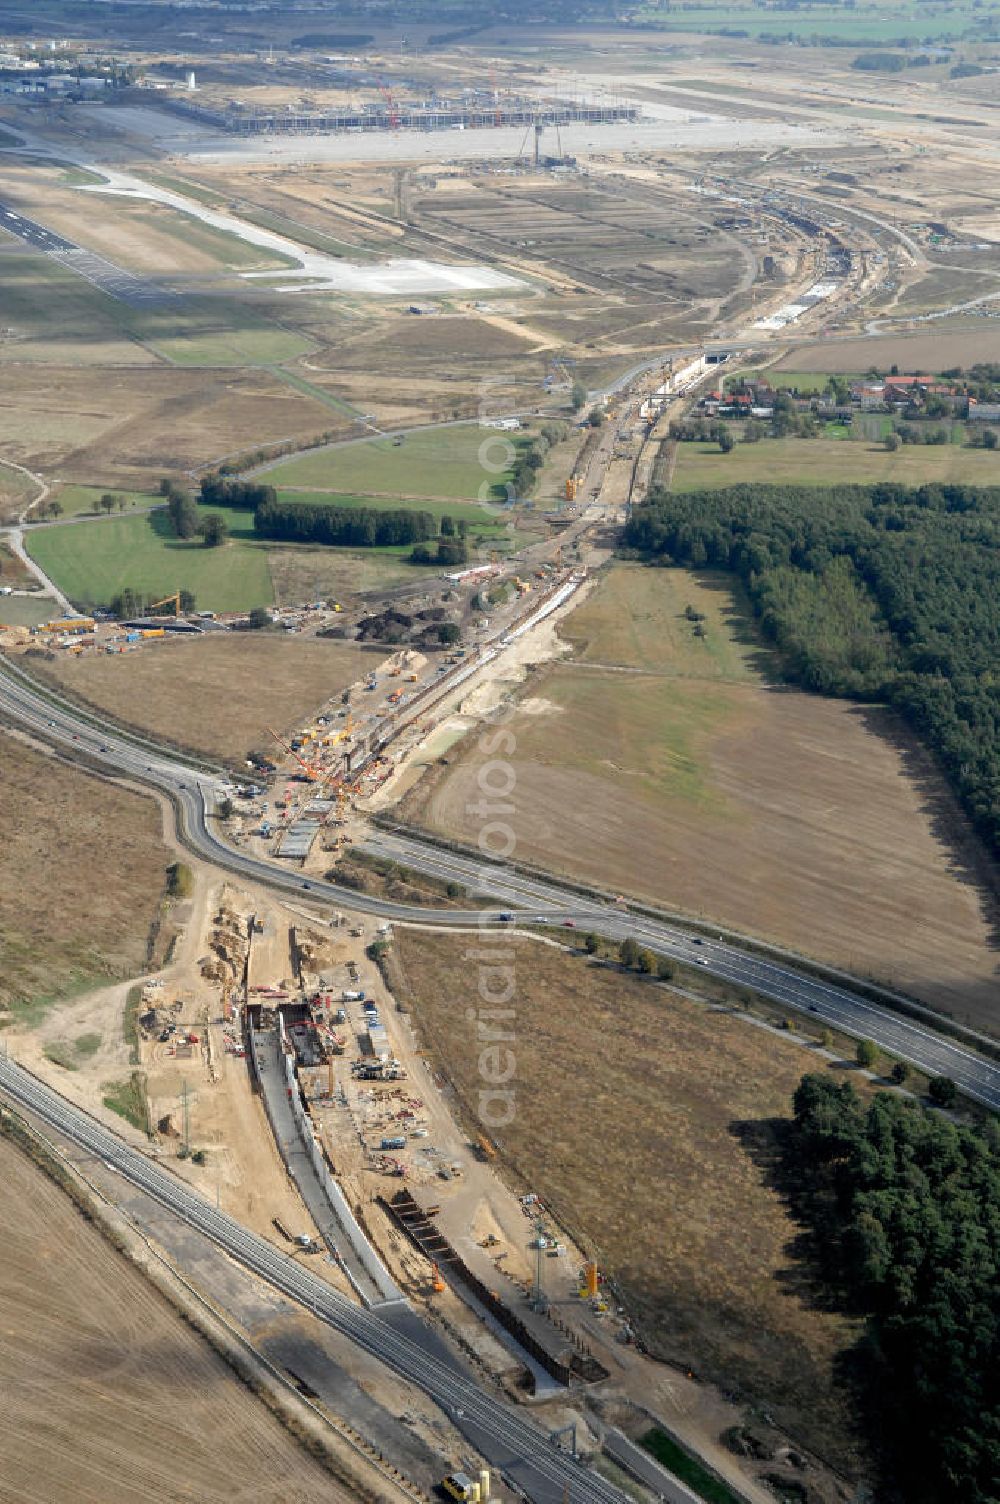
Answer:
[(185, 1100), (539, 1300)]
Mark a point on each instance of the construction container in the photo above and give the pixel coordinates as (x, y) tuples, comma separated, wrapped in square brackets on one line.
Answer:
[(398, 1142)]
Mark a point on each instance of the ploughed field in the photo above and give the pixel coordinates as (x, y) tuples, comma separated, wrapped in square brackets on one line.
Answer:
[(83, 872), (108, 1393), (663, 764)]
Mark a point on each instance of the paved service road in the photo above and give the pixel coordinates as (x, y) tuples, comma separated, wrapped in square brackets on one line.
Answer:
[(545, 901), (512, 1443)]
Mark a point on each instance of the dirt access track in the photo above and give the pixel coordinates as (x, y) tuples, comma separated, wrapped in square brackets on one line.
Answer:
[(666, 765)]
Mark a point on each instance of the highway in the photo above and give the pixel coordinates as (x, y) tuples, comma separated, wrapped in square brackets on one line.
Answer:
[(512, 1443), (545, 901)]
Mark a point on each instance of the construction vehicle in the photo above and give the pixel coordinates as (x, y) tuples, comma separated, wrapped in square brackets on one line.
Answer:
[(461, 1487), (313, 774), (169, 600), (71, 624), (484, 1149)]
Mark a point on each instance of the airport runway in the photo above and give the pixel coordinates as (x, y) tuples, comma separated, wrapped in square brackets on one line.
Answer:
[(125, 286)]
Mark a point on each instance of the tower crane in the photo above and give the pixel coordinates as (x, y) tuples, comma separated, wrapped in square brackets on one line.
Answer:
[(391, 106)]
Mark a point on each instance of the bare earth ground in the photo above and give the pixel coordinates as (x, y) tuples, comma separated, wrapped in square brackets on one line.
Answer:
[(948, 343), (216, 694), (634, 1140), (129, 427), (76, 902), (108, 1393), (809, 822)]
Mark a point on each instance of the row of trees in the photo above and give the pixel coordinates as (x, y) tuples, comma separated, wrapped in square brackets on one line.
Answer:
[(130, 602), (345, 527), (447, 551), (248, 495), (876, 592), (904, 1211)]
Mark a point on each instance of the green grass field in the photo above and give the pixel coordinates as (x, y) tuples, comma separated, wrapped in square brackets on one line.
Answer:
[(829, 462), (865, 24), (60, 318), (77, 499), (223, 332), (637, 620), (803, 381), (476, 516), (442, 462), (91, 562)]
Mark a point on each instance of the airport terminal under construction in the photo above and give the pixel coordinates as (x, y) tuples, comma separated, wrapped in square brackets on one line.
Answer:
[(471, 112)]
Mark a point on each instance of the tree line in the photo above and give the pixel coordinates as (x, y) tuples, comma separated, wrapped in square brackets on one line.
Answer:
[(343, 527), (903, 1208), (871, 592)]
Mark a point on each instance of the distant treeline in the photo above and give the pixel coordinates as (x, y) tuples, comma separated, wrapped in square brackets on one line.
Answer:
[(345, 527), (903, 1209), (342, 42), (872, 592)]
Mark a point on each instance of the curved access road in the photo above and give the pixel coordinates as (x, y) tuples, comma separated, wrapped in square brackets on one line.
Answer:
[(546, 902)]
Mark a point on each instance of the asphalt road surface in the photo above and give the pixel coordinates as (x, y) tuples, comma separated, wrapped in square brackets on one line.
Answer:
[(137, 292), (544, 902), (512, 1444)]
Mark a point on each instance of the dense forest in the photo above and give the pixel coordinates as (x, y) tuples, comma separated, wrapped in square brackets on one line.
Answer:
[(903, 1209), (874, 592), (346, 527)]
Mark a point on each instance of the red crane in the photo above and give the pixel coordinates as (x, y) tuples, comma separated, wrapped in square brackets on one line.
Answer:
[(391, 106)]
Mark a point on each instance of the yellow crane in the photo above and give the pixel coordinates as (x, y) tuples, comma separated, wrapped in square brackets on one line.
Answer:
[(169, 600)]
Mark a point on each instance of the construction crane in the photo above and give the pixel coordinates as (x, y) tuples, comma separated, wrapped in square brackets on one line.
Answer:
[(497, 112), (313, 774), (169, 600), (391, 106)]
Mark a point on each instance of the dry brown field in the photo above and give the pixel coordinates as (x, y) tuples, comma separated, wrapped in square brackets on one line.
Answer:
[(108, 1393), (642, 1119), (679, 774), (216, 695), (127, 427), (84, 870), (16, 491), (144, 237), (948, 344)]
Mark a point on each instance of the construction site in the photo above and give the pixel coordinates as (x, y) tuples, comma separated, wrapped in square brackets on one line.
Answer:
[(473, 109)]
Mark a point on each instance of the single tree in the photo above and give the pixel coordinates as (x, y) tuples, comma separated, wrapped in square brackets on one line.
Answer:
[(900, 1072), (942, 1091), (726, 440), (990, 439), (646, 963), (259, 617), (108, 502), (214, 529), (578, 396), (665, 969), (867, 1054), (891, 442), (591, 943), (628, 952)]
